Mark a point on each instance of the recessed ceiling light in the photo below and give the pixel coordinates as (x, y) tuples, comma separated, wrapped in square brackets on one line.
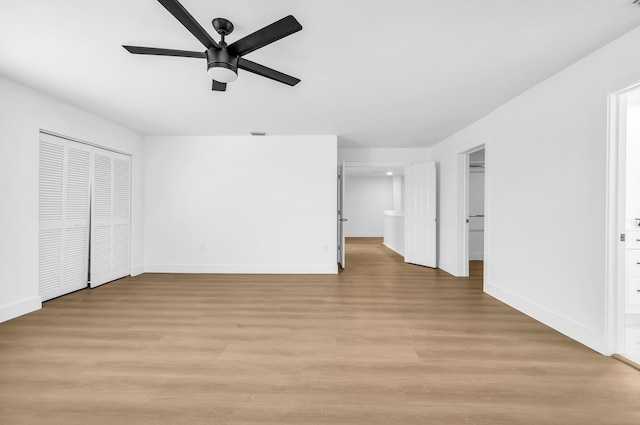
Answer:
[(389, 173)]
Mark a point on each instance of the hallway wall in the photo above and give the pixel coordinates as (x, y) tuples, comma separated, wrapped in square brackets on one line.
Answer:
[(366, 198)]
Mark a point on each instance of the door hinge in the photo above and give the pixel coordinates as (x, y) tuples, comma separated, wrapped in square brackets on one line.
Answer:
[(622, 237)]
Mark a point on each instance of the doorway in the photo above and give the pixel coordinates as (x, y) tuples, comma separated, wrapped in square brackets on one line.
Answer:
[(624, 225), (472, 223), (367, 193)]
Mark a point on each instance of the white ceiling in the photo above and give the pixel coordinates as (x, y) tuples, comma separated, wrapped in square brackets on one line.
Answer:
[(399, 73)]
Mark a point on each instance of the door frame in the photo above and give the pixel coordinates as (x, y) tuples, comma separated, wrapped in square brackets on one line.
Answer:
[(615, 276), (341, 239), (463, 209)]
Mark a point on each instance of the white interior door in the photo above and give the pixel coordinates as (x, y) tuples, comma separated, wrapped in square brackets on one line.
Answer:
[(341, 219), (64, 191), (110, 217), (420, 214)]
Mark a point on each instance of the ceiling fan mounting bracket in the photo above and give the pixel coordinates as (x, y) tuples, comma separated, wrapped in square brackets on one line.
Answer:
[(222, 26)]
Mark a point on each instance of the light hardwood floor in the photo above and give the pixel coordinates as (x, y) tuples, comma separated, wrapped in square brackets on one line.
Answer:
[(381, 343)]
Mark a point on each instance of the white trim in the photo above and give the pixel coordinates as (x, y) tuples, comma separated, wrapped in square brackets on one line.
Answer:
[(575, 330), (613, 326), (463, 213), (487, 212), (476, 256), (243, 268), (393, 249), (20, 308), (136, 270), (84, 142), (374, 164)]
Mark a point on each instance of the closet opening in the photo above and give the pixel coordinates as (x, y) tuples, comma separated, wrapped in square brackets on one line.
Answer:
[(472, 212)]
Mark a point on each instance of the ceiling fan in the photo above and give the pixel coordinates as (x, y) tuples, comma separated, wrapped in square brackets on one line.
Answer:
[(223, 60)]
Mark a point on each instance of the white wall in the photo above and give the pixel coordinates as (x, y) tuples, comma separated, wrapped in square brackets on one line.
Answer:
[(545, 230), (241, 204), (365, 200), (394, 231), (398, 193), (23, 112), (384, 155)]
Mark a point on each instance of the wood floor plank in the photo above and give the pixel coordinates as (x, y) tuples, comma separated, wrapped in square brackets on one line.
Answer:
[(382, 342)]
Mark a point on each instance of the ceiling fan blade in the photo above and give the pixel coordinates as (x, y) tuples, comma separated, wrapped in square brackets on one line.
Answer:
[(267, 35), (262, 70), (180, 13), (218, 86), (163, 52)]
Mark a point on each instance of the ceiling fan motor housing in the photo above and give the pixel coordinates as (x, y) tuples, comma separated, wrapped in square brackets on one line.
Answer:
[(220, 58)]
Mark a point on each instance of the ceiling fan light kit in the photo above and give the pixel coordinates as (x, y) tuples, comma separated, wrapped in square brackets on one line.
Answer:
[(224, 60), (221, 66)]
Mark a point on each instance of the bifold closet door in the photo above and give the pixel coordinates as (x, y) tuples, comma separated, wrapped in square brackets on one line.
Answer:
[(110, 217), (64, 193)]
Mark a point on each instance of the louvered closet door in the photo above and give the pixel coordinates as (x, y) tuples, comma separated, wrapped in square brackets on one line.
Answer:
[(65, 173), (110, 220)]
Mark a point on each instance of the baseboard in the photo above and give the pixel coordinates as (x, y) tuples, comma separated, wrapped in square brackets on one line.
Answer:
[(476, 256), (12, 311), (364, 235), (580, 332), (243, 268), (137, 270), (397, 251)]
